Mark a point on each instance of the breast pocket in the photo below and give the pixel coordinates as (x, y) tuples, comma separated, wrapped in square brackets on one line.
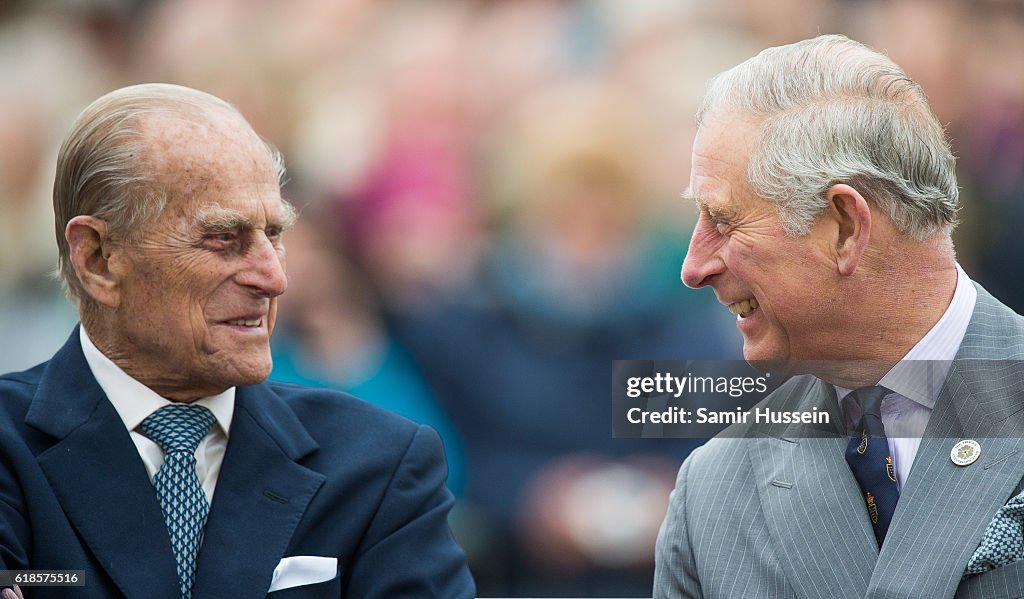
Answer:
[(320, 590), (1002, 583)]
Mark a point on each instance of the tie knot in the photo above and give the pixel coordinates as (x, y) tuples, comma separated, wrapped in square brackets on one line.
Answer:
[(869, 399), (178, 427)]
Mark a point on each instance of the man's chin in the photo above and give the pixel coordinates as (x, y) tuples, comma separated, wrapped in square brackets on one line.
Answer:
[(769, 359), (755, 352), (243, 373), (255, 376)]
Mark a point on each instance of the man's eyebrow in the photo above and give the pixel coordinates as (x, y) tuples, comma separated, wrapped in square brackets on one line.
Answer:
[(688, 196), (719, 213), (217, 218)]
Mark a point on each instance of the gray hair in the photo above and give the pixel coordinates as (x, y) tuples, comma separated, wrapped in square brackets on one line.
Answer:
[(101, 166), (834, 111)]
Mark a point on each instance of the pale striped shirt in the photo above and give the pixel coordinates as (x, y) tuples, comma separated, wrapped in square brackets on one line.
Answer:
[(916, 380)]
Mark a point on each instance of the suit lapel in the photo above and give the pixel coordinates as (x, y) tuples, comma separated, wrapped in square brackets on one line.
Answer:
[(100, 481), (261, 496), (827, 548), (812, 503), (944, 509)]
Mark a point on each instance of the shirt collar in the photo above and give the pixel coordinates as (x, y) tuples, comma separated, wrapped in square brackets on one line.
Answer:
[(135, 401), (919, 376)]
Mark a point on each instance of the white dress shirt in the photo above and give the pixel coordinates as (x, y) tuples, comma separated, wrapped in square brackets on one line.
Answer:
[(135, 401), (916, 380)]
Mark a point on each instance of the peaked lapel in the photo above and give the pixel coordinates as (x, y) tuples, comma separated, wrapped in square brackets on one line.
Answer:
[(806, 490), (261, 495), (99, 479)]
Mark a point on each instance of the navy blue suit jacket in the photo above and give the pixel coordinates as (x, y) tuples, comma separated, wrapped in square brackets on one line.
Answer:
[(306, 472)]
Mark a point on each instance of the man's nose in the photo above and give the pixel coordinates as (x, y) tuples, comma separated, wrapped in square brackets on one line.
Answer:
[(702, 261), (265, 273)]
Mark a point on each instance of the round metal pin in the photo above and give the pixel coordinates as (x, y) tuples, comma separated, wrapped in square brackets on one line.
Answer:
[(965, 452)]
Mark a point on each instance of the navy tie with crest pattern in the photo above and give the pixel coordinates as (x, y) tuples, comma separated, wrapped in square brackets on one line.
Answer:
[(871, 462), (178, 429)]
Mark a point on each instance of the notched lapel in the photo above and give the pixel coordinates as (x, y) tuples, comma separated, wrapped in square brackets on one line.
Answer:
[(100, 481), (827, 547), (261, 496), (810, 501), (944, 509)]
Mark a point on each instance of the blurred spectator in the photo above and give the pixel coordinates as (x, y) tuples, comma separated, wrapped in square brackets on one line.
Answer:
[(411, 220), (330, 334), (992, 142), (580, 274)]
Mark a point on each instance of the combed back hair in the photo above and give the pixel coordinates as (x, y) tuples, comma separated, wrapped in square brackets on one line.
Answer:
[(104, 168), (831, 111)]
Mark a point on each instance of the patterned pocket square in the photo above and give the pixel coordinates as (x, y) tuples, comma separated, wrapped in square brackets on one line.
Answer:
[(1003, 542)]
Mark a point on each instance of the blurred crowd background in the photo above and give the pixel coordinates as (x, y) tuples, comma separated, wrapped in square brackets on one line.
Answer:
[(490, 214)]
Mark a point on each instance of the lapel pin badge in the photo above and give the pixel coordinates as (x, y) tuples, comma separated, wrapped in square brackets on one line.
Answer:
[(965, 452)]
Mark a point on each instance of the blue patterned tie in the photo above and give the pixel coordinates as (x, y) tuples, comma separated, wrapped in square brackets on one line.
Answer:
[(177, 429), (870, 461)]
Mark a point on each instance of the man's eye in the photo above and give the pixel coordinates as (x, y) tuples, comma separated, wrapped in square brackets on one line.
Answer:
[(720, 225), (221, 240)]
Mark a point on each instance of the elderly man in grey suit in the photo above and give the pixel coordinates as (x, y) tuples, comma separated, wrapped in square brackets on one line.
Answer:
[(827, 195)]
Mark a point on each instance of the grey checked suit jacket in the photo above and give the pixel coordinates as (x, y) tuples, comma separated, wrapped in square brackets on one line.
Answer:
[(773, 515)]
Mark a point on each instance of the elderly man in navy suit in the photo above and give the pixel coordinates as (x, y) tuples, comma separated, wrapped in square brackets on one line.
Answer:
[(149, 452)]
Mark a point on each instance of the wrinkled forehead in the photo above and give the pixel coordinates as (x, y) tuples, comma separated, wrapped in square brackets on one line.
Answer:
[(207, 151)]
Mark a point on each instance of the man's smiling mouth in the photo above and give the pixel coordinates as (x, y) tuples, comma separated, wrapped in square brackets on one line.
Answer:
[(744, 308), (245, 323)]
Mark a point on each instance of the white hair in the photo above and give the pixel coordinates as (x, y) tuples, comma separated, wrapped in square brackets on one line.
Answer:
[(101, 166), (834, 111)]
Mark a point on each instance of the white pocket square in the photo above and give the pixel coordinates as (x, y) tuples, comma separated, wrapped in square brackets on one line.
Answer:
[(302, 570)]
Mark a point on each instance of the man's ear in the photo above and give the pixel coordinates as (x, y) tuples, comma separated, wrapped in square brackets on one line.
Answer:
[(90, 249), (853, 217)]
